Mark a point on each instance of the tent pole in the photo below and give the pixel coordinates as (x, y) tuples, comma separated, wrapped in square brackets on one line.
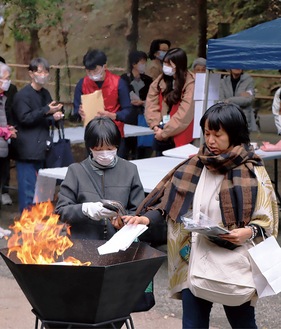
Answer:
[(205, 100)]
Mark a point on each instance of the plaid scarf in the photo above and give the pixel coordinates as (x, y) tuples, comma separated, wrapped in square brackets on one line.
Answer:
[(173, 195)]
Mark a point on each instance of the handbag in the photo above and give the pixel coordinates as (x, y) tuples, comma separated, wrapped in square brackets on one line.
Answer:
[(266, 266), (220, 275), (59, 153)]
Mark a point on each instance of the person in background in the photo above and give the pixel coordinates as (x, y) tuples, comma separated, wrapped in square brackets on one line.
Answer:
[(157, 51), (138, 83), (8, 90), (169, 109), (117, 103), (276, 110), (32, 113), (238, 88), (199, 65), (225, 170), (6, 131), (103, 175)]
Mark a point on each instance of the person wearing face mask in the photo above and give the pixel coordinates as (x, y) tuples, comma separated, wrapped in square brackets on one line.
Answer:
[(7, 91), (115, 92), (103, 175), (138, 83), (169, 109), (157, 51), (32, 113), (6, 132)]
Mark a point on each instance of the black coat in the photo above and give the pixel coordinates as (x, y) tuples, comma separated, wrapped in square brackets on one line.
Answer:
[(30, 119)]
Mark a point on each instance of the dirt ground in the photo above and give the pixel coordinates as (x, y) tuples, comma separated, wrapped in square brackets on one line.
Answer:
[(15, 310)]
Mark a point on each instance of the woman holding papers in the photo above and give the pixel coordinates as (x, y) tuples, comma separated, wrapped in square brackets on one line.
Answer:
[(103, 175), (227, 182), (169, 109)]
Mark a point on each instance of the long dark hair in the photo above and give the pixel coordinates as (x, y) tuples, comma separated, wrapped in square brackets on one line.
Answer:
[(173, 93)]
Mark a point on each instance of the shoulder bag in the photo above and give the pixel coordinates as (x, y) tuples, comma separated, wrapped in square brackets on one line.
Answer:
[(59, 153), (220, 275)]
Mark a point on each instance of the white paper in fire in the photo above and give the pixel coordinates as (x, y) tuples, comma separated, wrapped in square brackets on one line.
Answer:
[(203, 224), (122, 239)]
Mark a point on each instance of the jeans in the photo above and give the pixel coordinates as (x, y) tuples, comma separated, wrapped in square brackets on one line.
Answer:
[(26, 175), (196, 313)]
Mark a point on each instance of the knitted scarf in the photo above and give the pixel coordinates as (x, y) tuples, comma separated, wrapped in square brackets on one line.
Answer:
[(173, 195)]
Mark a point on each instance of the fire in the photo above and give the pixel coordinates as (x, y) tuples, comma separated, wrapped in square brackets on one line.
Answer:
[(37, 237)]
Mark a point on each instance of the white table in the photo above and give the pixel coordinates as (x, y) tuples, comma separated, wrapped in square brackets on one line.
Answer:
[(151, 171), (182, 152), (76, 134)]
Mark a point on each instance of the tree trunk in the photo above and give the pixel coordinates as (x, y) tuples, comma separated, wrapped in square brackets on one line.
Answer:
[(25, 51), (132, 35), (202, 27)]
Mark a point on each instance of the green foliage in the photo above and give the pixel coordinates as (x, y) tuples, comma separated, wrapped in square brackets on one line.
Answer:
[(32, 15)]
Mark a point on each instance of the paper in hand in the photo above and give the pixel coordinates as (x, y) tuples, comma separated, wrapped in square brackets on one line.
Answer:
[(92, 104)]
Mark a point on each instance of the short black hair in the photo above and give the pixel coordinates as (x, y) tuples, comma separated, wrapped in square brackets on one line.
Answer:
[(154, 46), (35, 62), (101, 131), (135, 56), (231, 118), (94, 57), (2, 60)]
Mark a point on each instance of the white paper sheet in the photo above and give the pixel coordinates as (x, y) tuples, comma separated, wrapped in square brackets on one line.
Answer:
[(122, 239), (214, 87)]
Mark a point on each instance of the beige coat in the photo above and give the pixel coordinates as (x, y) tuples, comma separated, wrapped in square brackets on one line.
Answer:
[(184, 115), (265, 215)]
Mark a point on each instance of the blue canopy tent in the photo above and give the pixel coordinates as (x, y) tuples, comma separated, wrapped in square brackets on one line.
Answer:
[(256, 48)]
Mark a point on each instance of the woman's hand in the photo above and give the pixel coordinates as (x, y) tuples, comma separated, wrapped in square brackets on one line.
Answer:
[(158, 134), (117, 222), (13, 131), (135, 220), (238, 236)]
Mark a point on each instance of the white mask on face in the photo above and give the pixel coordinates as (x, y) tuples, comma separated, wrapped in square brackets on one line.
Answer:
[(168, 70), (141, 67), (104, 157), (41, 79), (5, 84), (97, 77)]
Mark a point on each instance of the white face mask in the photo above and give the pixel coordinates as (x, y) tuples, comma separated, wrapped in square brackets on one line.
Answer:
[(104, 157), (97, 77), (41, 79), (5, 84), (141, 67), (168, 70)]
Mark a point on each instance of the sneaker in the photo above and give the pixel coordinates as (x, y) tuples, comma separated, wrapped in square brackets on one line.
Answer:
[(6, 199)]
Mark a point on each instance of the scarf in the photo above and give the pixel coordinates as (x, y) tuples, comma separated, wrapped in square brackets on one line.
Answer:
[(173, 195)]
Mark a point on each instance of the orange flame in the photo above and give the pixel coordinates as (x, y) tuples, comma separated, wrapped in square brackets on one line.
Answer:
[(37, 237)]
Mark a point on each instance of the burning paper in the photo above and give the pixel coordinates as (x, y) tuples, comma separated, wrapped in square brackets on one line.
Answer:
[(38, 238)]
